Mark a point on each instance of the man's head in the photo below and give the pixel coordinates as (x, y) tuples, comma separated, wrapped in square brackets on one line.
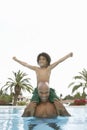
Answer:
[(43, 91), (43, 59)]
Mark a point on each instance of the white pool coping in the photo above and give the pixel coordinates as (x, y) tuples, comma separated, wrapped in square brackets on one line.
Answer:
[(82, 106), (11, 106)]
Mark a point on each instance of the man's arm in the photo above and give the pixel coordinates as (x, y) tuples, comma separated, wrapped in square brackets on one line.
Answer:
[(30, 109), (24, 64), (61, 60)]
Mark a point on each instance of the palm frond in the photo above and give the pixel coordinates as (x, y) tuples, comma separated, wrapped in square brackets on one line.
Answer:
[(77, 77), (71, 84), (19, 80), (84, 74), (76, 87), (79, 81)]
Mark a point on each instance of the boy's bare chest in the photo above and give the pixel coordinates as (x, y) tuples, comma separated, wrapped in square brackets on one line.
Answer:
[(42, 72)]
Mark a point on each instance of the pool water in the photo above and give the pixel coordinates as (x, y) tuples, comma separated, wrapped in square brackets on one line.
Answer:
[(10, 119)]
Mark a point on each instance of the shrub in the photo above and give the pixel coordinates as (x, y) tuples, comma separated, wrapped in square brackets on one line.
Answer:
[(5, 99), (2, 102), (80, 102), (21, 103)]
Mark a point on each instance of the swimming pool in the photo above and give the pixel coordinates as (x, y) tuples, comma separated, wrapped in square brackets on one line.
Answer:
[(10, 119)]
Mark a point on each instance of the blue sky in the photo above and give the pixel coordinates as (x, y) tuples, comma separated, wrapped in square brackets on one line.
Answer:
[(28, 28)]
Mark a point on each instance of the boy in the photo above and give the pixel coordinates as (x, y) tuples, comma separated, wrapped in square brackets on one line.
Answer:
[(43, 72)]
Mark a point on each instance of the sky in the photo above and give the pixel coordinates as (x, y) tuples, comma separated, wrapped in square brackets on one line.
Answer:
[(57, 27)]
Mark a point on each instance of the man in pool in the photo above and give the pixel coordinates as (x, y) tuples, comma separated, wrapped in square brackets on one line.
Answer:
[(45, 109)]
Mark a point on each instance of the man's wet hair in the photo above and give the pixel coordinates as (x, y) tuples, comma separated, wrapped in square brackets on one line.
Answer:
[(48, 58)]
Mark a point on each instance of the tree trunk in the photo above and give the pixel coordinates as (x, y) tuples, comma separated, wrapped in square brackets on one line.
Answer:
[(17, 90), (15, 100)]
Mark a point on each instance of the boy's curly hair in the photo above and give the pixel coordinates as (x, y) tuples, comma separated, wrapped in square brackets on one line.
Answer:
[(48, 58)]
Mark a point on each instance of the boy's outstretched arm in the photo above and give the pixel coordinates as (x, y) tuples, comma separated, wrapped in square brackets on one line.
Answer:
[(24, 64), (61, 60)]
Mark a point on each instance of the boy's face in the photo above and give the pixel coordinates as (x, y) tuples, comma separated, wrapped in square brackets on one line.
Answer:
[(42, 61)]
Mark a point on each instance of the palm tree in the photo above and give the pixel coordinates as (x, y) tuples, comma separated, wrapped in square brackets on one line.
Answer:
[(17, 84), (1, 92), (80, 81)]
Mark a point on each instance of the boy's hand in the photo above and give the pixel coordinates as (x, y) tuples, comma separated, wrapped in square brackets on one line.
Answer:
[(30, 109), (71, 54), (14, 58), (32, 105)]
